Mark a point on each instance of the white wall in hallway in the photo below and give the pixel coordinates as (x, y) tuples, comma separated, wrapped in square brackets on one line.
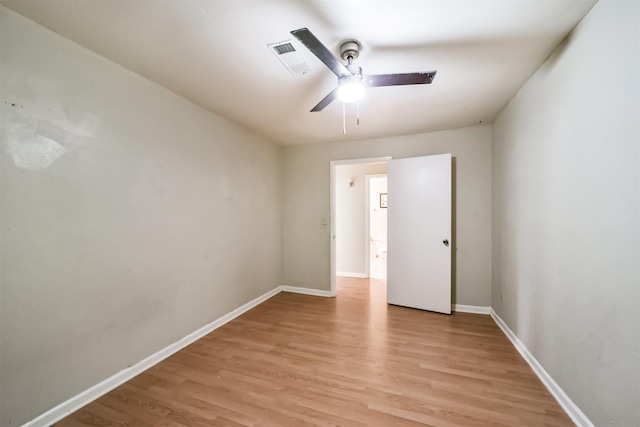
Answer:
[(377, 227), (377, 214)]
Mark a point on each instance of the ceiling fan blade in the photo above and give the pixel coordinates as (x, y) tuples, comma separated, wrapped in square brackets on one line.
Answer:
[(325, 101), (318, 49), (399, 79)]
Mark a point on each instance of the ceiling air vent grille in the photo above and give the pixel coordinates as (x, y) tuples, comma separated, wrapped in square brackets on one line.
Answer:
[(287, 54)]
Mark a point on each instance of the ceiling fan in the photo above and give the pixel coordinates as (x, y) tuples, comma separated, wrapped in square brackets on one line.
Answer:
[(351, 81)]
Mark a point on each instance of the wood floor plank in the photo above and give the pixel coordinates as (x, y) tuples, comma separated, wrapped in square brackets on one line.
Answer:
[(353, 360)]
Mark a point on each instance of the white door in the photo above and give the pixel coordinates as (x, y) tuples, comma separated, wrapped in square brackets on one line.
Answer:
[(419, 233)]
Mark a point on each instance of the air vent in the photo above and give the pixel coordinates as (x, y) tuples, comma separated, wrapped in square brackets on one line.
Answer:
[(287, 54)]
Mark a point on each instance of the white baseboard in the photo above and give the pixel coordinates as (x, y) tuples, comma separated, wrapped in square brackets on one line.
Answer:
[(348, 274), (475, 309), (57, 413), (572, 410), (306, 291)]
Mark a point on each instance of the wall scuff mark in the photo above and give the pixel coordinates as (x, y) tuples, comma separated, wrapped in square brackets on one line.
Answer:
[(35, 132)]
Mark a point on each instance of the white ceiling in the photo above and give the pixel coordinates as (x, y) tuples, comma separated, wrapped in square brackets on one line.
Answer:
[(214, 53)]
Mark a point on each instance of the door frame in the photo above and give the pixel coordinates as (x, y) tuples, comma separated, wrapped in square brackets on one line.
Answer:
[(332, 185)]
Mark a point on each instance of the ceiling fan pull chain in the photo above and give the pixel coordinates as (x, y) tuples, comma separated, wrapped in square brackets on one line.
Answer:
[(358, 113), (344, 118)]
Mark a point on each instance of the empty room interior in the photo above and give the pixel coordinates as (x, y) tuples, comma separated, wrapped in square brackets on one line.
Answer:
[(320, 213)]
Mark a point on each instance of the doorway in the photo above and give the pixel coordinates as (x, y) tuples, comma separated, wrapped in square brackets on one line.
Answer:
[(420, 228), (350, 238)]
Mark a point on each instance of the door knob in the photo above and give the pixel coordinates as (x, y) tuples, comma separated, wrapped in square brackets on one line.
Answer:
[(446, 242)]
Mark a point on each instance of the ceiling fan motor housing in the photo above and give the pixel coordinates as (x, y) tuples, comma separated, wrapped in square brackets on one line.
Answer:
[(355, 71)]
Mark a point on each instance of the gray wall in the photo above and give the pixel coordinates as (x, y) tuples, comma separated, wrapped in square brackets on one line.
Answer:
[(130, 218), (566, 215), (306, 240)]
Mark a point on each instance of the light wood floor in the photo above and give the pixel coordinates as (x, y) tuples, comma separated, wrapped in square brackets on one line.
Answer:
[(345, 361)]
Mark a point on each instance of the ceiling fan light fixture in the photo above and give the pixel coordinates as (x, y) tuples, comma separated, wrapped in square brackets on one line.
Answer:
[(350, 90)]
